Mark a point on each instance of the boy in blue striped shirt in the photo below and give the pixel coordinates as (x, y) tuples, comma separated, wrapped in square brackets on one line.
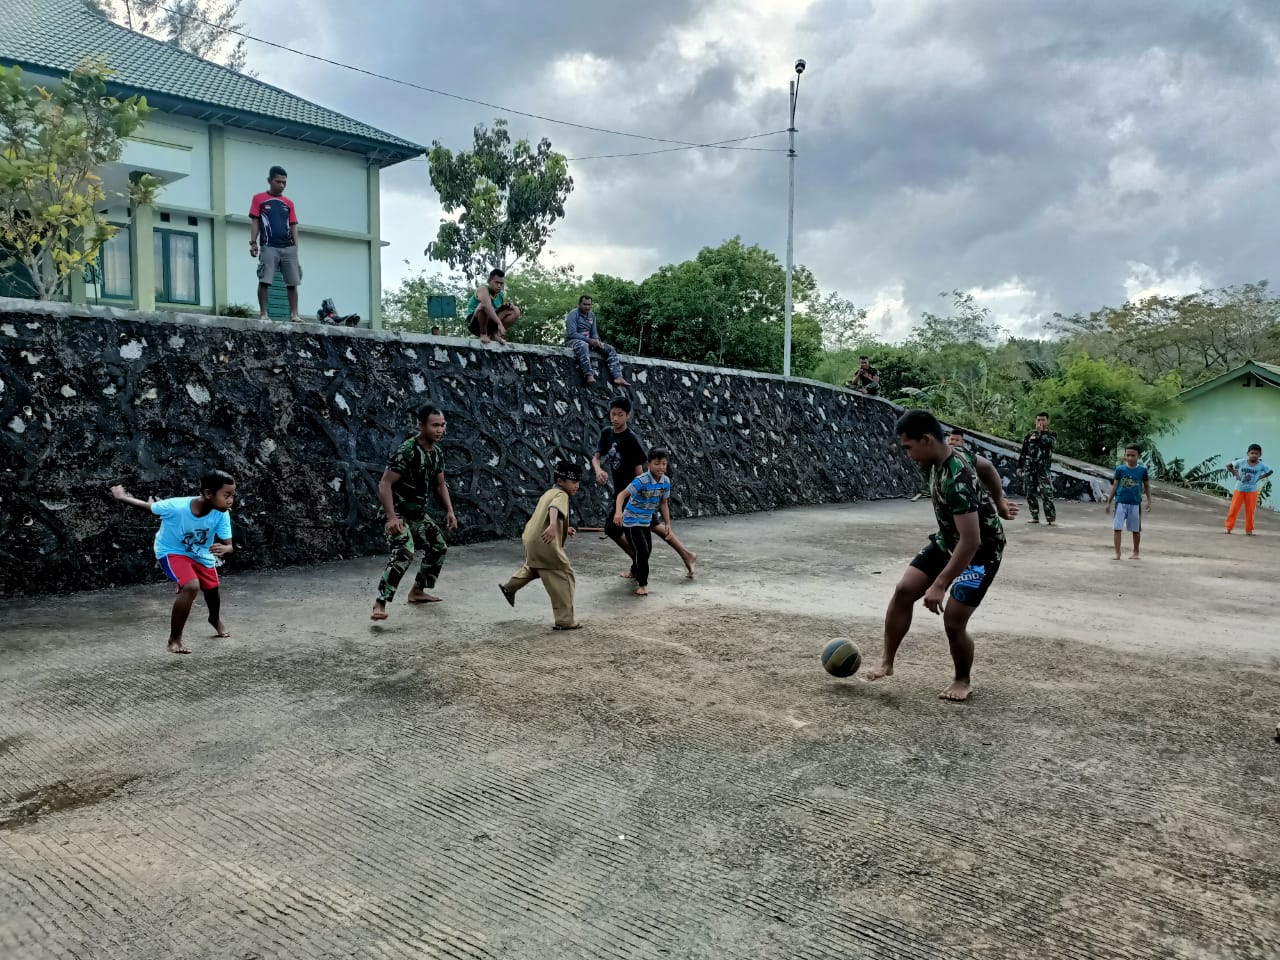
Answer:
[(634, 511)]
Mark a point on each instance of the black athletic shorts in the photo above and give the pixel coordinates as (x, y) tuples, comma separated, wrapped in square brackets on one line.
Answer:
[(974, 581)]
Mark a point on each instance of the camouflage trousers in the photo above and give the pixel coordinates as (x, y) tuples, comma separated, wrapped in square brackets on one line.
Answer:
[(424, 533), (1039, 489)]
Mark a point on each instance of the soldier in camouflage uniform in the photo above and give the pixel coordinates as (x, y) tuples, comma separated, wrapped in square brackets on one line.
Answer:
[(961, 559), (1035, 464), (404, 492)]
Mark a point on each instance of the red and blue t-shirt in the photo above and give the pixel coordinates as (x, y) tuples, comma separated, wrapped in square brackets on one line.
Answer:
[(277, 215)]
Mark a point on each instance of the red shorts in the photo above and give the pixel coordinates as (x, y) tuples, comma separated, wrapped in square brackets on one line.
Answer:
[(182, 570)]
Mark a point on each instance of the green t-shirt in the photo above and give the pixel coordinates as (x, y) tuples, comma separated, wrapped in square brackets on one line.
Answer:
[(418, 469), (956, 490), (498, 299)]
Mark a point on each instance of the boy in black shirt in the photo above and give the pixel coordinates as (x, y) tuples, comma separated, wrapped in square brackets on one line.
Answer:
[(625, 454)]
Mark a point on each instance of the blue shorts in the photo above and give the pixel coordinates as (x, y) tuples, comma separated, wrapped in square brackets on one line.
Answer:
[(974, 581), (1128, 517)]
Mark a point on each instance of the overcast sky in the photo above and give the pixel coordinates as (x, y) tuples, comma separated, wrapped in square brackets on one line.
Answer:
[(1046, 155)]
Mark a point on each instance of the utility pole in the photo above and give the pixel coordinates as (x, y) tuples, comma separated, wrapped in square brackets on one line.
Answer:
[(794, 88)]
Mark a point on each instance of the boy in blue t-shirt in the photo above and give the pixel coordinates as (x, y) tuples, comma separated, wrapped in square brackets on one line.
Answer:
[(194, 535), (1250, 474), (1129, 483), (634, 511)]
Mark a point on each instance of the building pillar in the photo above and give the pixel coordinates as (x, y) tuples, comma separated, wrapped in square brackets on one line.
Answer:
[(218, 203), (375, 247), (142, 255)]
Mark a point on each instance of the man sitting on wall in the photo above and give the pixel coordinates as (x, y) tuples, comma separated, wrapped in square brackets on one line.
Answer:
[(866, 379), (488, 313), (273, 218), (581, 333)]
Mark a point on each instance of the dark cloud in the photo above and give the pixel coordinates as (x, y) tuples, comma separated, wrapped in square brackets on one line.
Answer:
[(941, 144)]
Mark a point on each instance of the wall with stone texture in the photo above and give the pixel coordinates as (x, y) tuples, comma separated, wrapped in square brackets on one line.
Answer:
[(304, 418)]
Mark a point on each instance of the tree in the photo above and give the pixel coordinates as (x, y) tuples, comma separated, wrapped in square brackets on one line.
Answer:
[(843, 324), (509, 196), (200, 27), (622, 310), (407, 307), (1097, 405), (544, 295), (51, 141), (1197, 336)]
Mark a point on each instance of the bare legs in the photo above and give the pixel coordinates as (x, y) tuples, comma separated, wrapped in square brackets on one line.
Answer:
[(292, 292), (955, 620)]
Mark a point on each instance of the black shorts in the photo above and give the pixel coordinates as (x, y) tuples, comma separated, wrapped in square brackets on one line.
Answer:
[(974, 581)]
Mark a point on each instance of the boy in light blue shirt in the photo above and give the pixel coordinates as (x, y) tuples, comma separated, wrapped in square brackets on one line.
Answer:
[(1130, 481), (194, 536), (1250, 473), (634, 511)]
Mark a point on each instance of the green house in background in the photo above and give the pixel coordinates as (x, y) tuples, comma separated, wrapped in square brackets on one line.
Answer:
[(1224, 415)]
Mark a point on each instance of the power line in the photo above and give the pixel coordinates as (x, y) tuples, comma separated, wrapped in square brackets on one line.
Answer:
[(684, 144), (692, 146)]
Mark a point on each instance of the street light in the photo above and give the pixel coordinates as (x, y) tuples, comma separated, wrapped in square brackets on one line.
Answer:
[(791, 216)]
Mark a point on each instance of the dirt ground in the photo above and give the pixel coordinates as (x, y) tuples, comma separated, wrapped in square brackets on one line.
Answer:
[(678, 779)]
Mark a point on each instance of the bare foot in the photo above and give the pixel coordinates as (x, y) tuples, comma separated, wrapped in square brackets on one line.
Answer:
[(263, 317), (880, 672), (500, 339), (484, 338), (591, 381), (220, 628), (1117, 556), (295, 319), (689, 564), (379, 611), (620, 383), (1136, 556), (957, 690), (418, 595), (626, 575), (176, 646), (642, 591)]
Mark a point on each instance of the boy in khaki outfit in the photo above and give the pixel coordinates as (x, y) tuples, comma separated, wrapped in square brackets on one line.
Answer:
[(544, 557)]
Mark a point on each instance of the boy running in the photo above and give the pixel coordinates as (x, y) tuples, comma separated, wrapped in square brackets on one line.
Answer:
[(622, 450), (1249, 473), (544, 556), (964, 555), (194, 535), (634, 511), (1130, 482), (404, 493)]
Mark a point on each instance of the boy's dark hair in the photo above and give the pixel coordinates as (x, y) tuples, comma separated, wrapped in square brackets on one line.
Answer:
[(497, 273), (917, 424), (957, 432), (568, 470), (864, 357), (215, 480), (620, 403), (277, 171), (1042, 413), (1134, 447), (427, 412), (1253, 447), (658, 453)]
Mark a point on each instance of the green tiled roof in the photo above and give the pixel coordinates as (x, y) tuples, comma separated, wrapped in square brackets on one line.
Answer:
[(58, 34)]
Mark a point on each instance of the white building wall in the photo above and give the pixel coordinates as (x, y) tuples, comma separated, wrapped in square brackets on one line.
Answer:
[(159, 137), (329, 189), (331, 267)]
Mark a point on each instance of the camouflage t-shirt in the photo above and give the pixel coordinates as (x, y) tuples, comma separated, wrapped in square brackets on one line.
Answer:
[(956, 490), (418, 469), (1037, 451)]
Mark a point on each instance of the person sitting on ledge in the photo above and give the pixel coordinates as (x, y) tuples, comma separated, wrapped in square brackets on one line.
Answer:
[(488, 313), (581, 333)]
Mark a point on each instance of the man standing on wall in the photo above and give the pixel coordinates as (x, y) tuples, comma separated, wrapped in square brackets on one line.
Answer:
[(273, 218), (1035, 464)]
